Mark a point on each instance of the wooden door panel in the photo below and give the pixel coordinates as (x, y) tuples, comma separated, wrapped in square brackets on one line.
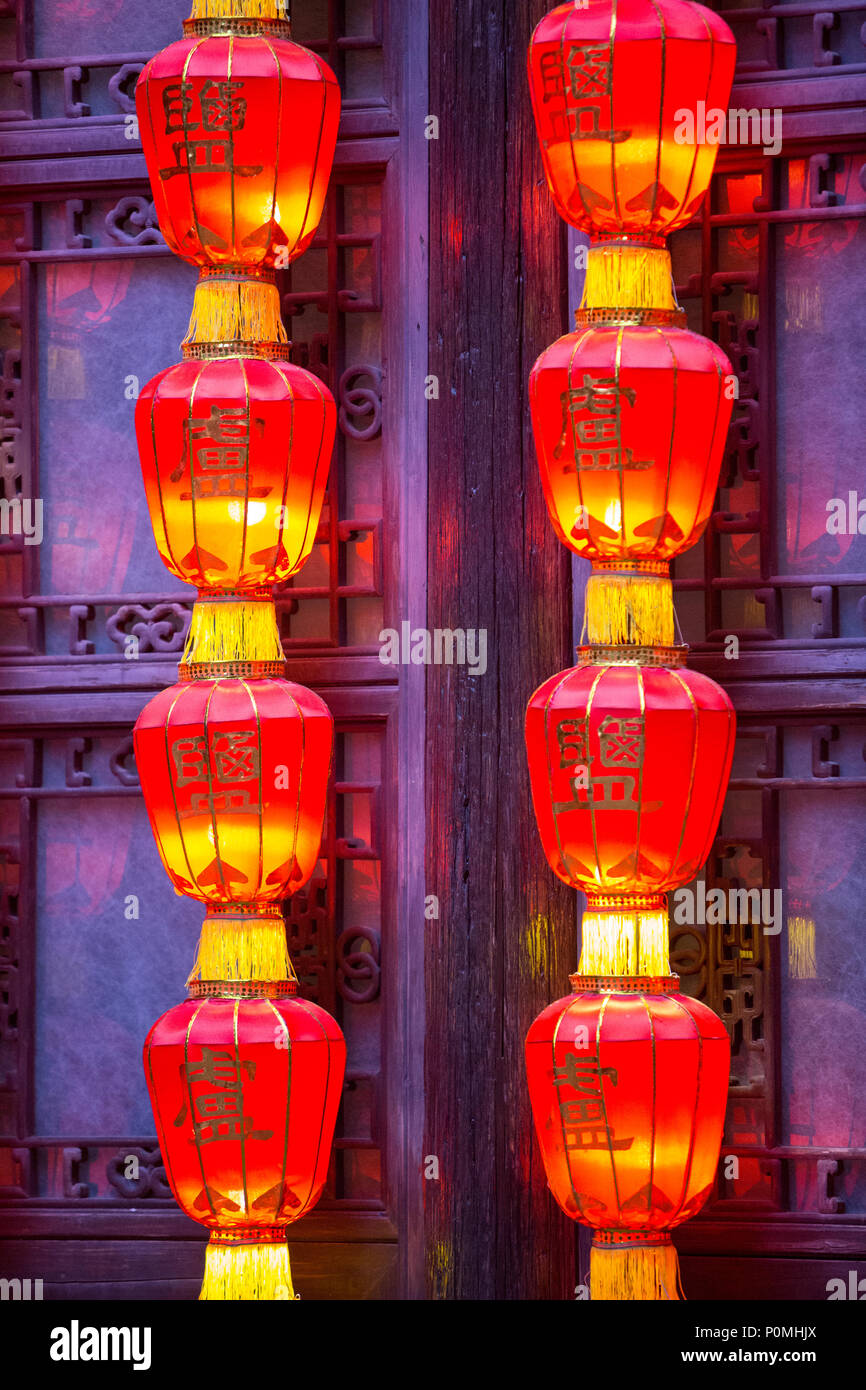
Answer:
[(95, 945), (773, 270)]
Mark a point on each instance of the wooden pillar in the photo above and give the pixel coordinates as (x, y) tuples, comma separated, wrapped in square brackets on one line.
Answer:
[(505, 939)]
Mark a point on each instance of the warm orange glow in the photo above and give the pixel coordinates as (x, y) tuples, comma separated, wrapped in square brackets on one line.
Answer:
[(630, 425), (235, 455), (607, 81), (239, 137), (245, 1095), (628, 1096), (235, 774), (629, 766)]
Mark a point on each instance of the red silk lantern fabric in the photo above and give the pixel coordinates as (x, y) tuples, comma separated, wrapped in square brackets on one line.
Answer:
[(608, 80), (628, 1096), (235, 775), (630, 425), (235, 455), (239, 136), (629, 766), (245, 1095)]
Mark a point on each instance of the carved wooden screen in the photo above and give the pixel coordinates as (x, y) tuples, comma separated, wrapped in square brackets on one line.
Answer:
[(776, 272), (94, 943)]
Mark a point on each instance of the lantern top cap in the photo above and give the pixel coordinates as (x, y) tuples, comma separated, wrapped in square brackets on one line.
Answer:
[(601, 655), (242, 989), (239, 27), (632, 20), (624, 984)]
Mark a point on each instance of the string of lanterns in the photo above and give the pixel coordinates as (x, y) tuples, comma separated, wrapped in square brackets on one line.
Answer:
[(629, 752), (239, 126)]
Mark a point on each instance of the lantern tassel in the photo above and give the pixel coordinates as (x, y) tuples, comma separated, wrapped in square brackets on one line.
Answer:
[(240, 9), (234, 309), (632, 609), (234, 629), (802, 961), (242, 948), (624, 943), (628, 277), (247, 1272), (641, 1273)]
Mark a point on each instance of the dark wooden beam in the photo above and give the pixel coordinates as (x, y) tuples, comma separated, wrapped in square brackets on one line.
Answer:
[(505, 937)]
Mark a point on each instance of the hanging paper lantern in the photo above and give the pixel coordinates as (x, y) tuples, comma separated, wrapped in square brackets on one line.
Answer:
[(238, 131), (629, 766), (235, 454), (630, 425), (628, 1090), (245, 1094), (234, 774), (610, 80)]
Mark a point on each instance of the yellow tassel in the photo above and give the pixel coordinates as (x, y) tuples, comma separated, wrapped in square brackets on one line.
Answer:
[(635, 609), (240, 9), (227, 310), (802, 961), (247, 1272), (242, 948), (233, 630), (624, 943), (640, 1273), (628, 277)]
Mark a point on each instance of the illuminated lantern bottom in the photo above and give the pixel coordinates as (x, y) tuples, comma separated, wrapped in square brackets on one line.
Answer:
[(245, 1092), (628, 1081)]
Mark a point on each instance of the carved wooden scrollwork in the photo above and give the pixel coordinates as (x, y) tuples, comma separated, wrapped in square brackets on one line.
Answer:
[(358, 968), (147, 1166), (159, 627), (133, 222), (358, 402)]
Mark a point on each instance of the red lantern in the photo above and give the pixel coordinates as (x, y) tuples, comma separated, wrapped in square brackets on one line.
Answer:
[(610, 81), (245, 1092), (628, 1092), (239, 135), (629, 766), (245, 1095), (235, 454), (630, 427), (234, 774)]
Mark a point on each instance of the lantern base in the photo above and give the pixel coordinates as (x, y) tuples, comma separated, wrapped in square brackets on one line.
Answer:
[(242, 305), (626, 942), (243, 947), (802, 961), (247, 1272), (239, 9), (630, 607), (233, 628), (622, 1271), (624, 276)]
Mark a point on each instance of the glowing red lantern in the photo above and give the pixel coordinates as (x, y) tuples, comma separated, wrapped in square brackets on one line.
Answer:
[(245, 1094), (628, 1092), (629, 766), (235, 774), (235, 455), (219, 113), (630, 426), (610, 81)]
